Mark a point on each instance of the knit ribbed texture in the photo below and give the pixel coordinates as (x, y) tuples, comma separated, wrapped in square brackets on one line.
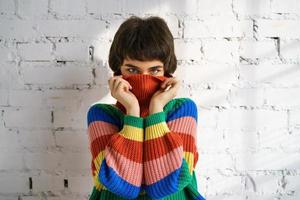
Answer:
[(144, 158), (143, 88)]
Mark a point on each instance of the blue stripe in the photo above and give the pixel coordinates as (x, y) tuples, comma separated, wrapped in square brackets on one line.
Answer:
[(164, 187), (95, 113), (115, 184), (187, 108)]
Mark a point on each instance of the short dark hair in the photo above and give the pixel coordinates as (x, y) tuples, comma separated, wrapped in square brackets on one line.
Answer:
[(143, 39)]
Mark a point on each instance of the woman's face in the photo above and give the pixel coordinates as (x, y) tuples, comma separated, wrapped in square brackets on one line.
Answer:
[(153, 67)]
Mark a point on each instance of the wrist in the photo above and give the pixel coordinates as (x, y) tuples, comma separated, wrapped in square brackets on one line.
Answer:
[(155, 108), (134, 111)]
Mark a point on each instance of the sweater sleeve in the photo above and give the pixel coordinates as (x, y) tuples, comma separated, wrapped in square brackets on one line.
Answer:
[(116, 154), (170, 152)]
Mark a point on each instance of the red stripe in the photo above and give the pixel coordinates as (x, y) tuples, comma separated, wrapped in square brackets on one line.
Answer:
[(129, 148), (161, 146)]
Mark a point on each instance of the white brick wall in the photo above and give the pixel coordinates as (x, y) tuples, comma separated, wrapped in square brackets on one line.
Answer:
[(238, 59)]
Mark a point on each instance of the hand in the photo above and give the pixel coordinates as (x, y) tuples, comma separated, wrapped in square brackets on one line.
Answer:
[(119, 88), (160, 98)]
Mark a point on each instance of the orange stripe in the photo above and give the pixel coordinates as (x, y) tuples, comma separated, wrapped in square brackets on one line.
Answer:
[(130, 171), (128, 148), (99, 144), (161, 146)]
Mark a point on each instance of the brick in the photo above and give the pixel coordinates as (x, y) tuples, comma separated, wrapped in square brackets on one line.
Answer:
[(283, 97), (80, 183), (43, 160), (37, 140), (220, 183), (75, 119), (102, 75), (62, 7), (72, 51), (27, 117), (247, 97), (208, 72), (208, 136), (71, 28), (294, 118), (27, 10), (266, 184), (72, 140), (27, 98), (7, 7), (292, 184), (227, 26), (288, 6), (11, 161), (214, 7), (284, 141), (9, 140), (35, 51), (66, 75), (221, 51), (278, 28), (252, 8), (267, 160), (101, 6), (75, 161), (188, 50), (276, 75), (169, 6), (10, 77), (12, 183), (290, 50), (47, 182), (258, 49), (100, 50), (237, 141), (208, 161), (3, 97), (21, 30), (251, 120), (210, 98)]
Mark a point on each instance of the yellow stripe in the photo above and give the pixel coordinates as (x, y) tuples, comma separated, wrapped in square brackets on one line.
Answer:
[(132, 133), (189, 157), (156, 130), (97, 161)]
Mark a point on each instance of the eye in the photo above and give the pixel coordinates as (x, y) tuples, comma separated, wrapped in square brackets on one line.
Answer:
[(132, 70), (155, 71)]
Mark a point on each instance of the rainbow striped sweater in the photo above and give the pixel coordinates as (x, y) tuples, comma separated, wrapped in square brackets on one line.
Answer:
[(144, 158)]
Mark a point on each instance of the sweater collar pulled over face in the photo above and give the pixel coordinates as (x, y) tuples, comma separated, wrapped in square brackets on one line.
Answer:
[(143, 87)]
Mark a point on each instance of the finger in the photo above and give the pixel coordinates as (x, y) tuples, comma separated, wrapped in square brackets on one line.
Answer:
[(168, 82), (115, 84)]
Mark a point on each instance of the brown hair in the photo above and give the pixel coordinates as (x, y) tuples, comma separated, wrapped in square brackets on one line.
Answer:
[(143, 39)]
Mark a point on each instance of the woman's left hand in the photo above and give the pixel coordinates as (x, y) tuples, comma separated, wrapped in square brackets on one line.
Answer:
[(160, 98)]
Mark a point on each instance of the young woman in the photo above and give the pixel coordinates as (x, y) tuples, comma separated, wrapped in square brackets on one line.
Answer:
[(144, 146)]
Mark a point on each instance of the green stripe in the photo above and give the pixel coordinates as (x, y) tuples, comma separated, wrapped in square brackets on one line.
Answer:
[(155, 118), (185, 177), (133, 121), (173, 105), (107, 195)]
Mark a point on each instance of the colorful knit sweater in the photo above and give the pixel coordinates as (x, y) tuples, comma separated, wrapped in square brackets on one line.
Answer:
[(144, 158)]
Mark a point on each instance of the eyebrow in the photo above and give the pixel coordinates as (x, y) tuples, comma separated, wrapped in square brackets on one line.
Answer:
[(130, 65)]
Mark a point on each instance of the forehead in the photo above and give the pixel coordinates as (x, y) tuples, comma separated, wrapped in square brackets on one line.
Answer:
[(143, 64)]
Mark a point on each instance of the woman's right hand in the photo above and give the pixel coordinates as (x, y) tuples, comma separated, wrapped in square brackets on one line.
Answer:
[(119, 89)]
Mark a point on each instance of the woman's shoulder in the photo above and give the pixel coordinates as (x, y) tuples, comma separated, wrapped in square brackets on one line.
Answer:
[(104, 112), (180, 102), (180, 107)]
